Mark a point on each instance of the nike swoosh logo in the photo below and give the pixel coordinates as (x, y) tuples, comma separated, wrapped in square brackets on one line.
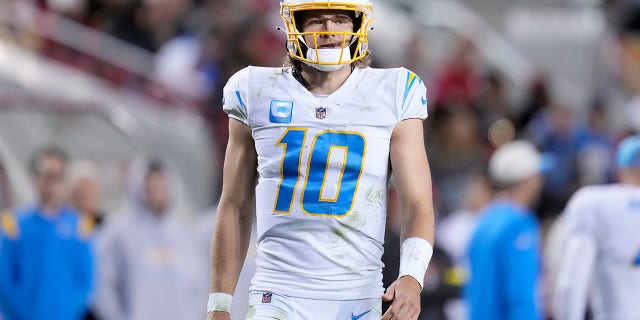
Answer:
[(359, 316), (423, 100)]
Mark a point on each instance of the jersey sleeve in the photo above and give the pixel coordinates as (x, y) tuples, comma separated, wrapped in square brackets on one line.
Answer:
[(573, 279), (578, 256), (412, 98), (580, 214), (235, 93)]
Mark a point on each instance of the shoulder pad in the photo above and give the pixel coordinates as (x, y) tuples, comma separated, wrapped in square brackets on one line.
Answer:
[(9, 225)]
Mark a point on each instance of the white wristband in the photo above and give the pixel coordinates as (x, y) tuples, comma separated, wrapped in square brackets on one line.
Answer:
[(219, 301), (415, 255)]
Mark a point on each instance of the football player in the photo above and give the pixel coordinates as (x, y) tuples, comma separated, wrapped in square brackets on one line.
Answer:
[(319, 137), (601, 258)]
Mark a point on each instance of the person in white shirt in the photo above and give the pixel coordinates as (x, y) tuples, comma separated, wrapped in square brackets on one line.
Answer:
[(600, 263)]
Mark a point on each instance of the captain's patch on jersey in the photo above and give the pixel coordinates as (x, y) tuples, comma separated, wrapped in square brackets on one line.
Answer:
[(280, 111)]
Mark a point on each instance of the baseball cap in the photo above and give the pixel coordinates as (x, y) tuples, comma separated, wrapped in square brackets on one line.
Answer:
[(628, 154), (514, 161)]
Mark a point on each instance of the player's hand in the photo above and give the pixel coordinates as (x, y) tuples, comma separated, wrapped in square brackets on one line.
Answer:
[(405, 294), (218, 315)]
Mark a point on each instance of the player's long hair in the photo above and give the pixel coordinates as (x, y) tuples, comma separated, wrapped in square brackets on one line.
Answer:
[(296, 64)]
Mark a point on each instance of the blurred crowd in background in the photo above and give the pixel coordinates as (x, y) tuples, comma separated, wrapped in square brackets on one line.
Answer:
[(152, 263)]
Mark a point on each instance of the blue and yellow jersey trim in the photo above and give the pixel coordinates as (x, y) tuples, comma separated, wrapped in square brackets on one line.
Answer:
[(412, 78)]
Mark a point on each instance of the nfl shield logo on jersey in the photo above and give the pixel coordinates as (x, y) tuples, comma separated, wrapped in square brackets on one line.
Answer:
[(266, 297), (321, 112)]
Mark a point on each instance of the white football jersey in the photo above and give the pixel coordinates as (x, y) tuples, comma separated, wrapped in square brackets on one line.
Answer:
[(323, 166), (602, 254)]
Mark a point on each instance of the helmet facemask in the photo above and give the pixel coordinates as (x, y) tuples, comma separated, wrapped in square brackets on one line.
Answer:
[(354, 44)]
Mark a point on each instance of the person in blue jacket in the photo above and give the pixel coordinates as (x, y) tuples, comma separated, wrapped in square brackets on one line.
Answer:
[(504, 257), (46, 260)]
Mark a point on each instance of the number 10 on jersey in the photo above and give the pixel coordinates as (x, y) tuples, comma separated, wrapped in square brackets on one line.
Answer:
[(312, 199)]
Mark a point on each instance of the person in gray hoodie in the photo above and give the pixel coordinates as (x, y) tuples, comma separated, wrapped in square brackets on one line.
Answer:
[(148, 259)]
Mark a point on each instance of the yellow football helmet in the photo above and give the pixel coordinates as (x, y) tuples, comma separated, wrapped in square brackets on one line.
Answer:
[(359, 43)]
